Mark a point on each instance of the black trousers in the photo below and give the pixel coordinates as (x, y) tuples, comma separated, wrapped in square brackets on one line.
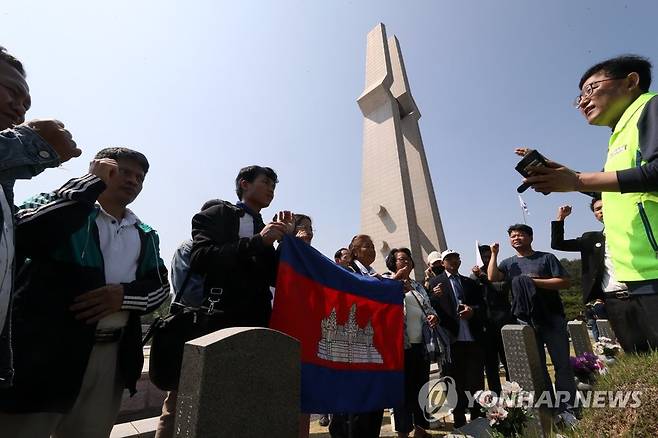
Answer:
[(467, 369), (364, 425), (416, 374), (494, 355), (634, 321)]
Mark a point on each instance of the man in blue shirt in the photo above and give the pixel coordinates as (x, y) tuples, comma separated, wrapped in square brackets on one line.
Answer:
[(537, 303)]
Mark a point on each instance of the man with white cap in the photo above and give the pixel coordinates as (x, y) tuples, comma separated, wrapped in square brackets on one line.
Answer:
[(434, 268), (460, 306)]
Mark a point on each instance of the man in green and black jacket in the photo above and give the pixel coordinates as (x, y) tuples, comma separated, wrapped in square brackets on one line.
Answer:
[(615, 93), (87, 274)]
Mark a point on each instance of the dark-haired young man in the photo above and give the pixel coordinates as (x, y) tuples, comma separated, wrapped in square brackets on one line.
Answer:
[(536, 279), (25, 151), (343, 257), (615, 93), (233, 248), (88, 275)]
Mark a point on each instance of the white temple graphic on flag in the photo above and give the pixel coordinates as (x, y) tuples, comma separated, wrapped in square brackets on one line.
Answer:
[(349, 342)]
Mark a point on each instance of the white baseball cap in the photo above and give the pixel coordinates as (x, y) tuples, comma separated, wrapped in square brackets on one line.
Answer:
[(447, 252), (433, 257)]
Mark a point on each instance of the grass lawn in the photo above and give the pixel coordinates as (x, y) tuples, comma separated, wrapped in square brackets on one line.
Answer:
[(629, 373)]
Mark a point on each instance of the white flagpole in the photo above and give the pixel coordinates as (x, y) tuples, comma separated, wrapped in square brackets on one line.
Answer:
[(524, 209)]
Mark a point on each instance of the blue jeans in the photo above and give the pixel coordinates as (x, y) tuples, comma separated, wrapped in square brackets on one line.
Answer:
[(552, 333)]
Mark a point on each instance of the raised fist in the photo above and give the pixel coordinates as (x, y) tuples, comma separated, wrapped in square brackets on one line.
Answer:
[(563, 212), (103, 168), (60, 139)]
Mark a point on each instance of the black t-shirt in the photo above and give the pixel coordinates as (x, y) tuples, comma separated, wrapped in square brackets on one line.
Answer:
[(540, 265)]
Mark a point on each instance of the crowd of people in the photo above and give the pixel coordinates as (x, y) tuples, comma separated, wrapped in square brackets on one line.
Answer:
[(80, 268)]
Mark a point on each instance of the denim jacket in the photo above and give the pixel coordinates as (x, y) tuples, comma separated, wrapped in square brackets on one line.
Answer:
[(23, 154)]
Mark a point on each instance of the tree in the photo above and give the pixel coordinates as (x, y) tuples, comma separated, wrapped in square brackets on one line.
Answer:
[(572, 297)]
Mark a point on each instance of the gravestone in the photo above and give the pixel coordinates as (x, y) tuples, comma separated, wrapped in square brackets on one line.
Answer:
[(240, 382), (605, 329), (579, 337), (525, 369), (478, 428)]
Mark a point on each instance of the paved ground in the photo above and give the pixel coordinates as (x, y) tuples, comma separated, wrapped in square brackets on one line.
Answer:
[(318, 431)]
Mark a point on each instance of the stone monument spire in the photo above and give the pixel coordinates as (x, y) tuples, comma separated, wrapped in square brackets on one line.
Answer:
[(398, 204)]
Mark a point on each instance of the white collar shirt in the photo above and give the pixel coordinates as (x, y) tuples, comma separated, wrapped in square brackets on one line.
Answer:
[(365, 270), (120, 245), (246, 226)]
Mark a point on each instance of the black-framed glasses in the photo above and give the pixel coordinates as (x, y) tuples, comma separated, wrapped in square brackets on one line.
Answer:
[(589, 90)]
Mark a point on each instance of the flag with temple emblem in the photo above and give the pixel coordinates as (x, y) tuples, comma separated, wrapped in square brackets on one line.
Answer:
[(350, 328)]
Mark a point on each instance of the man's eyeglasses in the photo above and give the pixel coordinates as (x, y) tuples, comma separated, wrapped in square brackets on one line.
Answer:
[(589, 90)]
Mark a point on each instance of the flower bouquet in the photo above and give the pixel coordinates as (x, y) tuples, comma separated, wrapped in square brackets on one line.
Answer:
[(508, 413), (607, 349), (586, 367)]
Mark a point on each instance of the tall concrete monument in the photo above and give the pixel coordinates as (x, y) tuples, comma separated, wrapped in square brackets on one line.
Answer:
[(398, 204)]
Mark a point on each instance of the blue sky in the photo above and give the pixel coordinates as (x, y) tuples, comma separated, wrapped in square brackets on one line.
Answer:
[(206, 87)]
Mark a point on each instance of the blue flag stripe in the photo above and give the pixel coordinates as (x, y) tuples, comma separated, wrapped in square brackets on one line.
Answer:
[(309, 262), (339, 391)]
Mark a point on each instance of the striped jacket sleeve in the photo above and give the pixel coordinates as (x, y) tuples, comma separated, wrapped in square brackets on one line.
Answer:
[(84, 190), (151, 289), (46, 220)]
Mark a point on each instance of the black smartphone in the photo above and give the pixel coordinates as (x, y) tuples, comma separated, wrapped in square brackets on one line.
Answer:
[(532, 159)]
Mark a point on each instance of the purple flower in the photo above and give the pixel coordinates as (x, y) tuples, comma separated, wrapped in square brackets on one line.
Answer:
[(586, 362)]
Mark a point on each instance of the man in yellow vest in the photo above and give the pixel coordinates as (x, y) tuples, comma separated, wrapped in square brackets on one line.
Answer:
[(615, 93)]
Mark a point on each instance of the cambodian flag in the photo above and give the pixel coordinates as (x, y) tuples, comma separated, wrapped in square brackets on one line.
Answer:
[(350, 328)]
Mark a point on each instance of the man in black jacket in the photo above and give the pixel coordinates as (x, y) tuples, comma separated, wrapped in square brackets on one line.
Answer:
[(459, 303), (233, 249), (597, 272), (499, 313)]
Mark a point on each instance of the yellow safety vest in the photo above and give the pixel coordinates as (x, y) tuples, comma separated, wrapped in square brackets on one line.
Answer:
[(631, 219)]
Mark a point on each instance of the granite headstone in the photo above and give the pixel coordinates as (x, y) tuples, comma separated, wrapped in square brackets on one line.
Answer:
[(579, 337), (605, 330), (240, 382), (525, 368)]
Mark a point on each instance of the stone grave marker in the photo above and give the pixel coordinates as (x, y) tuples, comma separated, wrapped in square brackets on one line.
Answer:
[(525, 369), (240, 382), (579, 337), (605, 329), (478, 428)]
